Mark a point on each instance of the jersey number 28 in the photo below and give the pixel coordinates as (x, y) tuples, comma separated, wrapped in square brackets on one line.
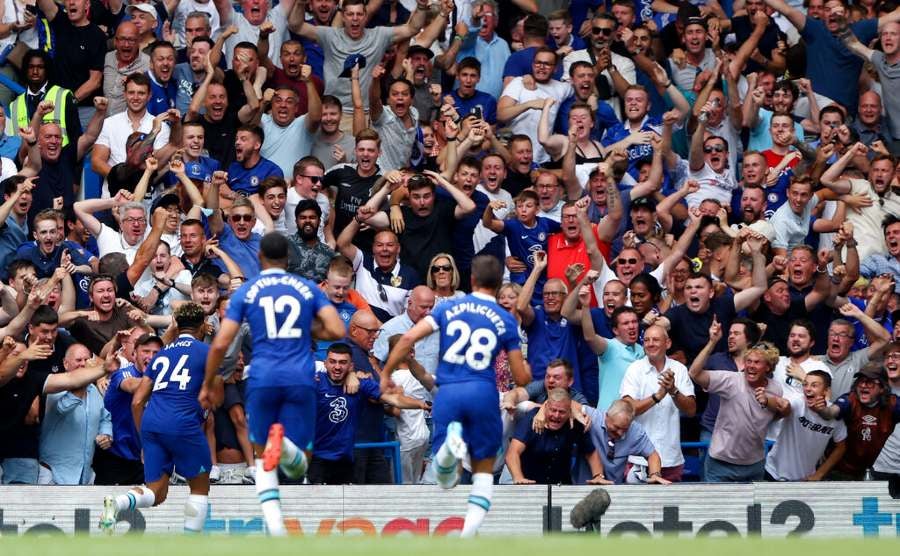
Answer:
[(478, 345)]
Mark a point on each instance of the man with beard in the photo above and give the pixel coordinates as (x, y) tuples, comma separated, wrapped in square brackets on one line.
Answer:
[(353, 184), (883, 60), (752, 206), (219, 123), (331, 146), (396, 123), (697, 57), (289, 137), (709, 161), (659, 389), (37, 65), (293, 73), (163, 89), (121, 62), (867, 221), (104, 319), (616, 70), (791, 369), (307, 184), (777, 309), (311, 257), (582, 76), (188, 76), (831, 67), (249, 23), (419, 71), (843, 363), (759, 118), (354, 38), (250, 168), (430, 219), (80, 46), (520, 107), (885, 263), (805, 435), (871, 413), (742, 334), (702, 307)]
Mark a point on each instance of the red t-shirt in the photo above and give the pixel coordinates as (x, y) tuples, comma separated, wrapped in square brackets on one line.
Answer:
[(561, 254), (773, 159)]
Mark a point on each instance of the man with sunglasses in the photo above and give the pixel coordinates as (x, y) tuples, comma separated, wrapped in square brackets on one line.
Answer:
[(307, 184), (617, 71), (709, 167)]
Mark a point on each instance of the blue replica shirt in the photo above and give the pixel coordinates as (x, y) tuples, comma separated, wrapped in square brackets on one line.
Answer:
[(549, 339), (345, 311), (177, 374), (604, 118), (201, 169), (464, 232), (280, 308), (336, 416), (45, 264), (126, 442), (486, 102), (244, 252), (636, 153), (162, 97), (523, 242), (473, 329), (245, 181)]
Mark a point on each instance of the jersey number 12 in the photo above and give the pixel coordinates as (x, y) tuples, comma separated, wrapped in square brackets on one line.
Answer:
[(272, 307)]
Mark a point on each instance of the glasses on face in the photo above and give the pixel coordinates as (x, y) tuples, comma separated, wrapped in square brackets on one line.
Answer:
[(714, 149), (314, 179), (627, 261), (554, 294), (441, 268), (605, 31), (841, 335), (370, 331), (134, 220), (245, 217), (543, 63), (894, 355)]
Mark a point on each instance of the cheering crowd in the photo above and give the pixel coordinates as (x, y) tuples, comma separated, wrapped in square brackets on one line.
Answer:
[(696, 205)]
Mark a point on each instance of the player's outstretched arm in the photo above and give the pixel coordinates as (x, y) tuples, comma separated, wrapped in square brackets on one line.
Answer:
[(518, 368), (328, 324)]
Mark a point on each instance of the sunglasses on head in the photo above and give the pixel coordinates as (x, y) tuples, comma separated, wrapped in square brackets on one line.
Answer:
[(441, 267), (714, 149), (605, 31), (244, 217)]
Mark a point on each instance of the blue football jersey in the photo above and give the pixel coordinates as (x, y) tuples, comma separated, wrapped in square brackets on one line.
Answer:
[(280, 308), (523, 242), (336, 416), (126, 442), (177, 374), (473, 330)]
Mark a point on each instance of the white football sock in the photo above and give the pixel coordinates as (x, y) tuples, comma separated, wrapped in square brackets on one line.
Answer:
[(269, 499), (479, 503)]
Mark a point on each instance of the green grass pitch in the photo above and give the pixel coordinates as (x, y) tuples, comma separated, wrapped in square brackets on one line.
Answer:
[(152, 545)]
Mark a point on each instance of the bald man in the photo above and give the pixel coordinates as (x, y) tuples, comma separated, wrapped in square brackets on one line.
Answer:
[(660, 389), (550, 336), (418, 306), (121, 62)]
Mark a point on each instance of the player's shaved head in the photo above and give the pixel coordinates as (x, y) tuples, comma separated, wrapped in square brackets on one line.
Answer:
[(487, 272), (273, 250)]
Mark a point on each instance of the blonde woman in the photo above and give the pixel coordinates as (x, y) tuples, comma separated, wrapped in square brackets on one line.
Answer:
[(443, 278), (507, 297)]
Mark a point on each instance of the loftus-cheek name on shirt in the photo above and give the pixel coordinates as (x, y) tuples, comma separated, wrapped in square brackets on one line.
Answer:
[(278, 280), (477, 309)]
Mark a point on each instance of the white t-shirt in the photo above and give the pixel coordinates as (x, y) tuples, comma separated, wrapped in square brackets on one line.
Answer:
[(186, 7), (250, 33), (284, 146), (146, 283), (713, 185), (802, 441), (526, 123), (114, 135), (867, 221), (661, 421), (483, 236), (7, 168), (792, 387), (111, 241), (412, 431)]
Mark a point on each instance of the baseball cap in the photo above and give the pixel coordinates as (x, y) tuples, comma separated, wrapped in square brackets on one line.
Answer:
[(418, 49), (644, 202), (145, 339), (143, 7), (351, 61), (872, 371), (166, 200)]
